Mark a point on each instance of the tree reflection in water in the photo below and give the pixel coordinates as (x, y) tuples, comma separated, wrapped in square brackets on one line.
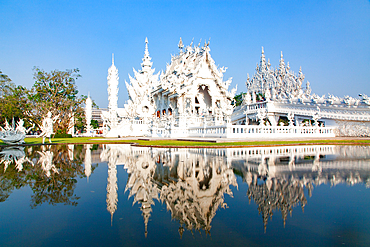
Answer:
[(52, 173)]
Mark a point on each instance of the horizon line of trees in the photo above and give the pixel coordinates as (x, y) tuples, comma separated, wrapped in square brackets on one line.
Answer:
[(54, 91)]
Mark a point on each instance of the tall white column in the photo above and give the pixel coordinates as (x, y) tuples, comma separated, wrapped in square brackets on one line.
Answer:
[(88, 115), (112, 93)]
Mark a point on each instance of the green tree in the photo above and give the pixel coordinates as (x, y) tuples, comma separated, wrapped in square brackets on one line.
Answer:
[(239, 99), (56, 92), (14, 101), (94, 124)]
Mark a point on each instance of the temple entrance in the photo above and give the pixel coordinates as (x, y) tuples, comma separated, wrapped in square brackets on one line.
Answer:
[(203, 100)]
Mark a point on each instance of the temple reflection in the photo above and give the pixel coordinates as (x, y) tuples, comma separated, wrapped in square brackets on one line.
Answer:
[(192, 183)]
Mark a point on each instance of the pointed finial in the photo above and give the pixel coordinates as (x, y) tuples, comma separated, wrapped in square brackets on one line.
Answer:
[(146, 47), (192, 42), (200, 41), (181, 45), (112, 58), (262, 50), (281, 54)]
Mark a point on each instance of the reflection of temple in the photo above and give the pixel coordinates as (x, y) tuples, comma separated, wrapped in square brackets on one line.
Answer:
[(277, 176), (193, 186), (111, 155), (192, 182), (277, 195)]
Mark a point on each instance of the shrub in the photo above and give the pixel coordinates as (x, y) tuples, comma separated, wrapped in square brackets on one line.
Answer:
[(62, 136)]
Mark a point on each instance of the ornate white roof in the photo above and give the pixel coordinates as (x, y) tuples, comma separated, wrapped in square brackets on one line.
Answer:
[(193, 65)]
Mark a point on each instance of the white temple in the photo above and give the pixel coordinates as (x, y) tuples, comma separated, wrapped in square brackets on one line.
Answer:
[(191, 99)]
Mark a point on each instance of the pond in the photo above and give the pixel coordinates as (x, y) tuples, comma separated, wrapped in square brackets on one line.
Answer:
[(118, 194)]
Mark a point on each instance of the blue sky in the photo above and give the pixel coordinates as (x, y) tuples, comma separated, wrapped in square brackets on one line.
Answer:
[(330, 40)]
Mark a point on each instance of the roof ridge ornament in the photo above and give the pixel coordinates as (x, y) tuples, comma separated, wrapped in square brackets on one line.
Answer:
[(181, 45)]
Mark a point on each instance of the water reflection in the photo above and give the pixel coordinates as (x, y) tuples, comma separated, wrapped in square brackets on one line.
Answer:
[(50, 171), (192, 183)]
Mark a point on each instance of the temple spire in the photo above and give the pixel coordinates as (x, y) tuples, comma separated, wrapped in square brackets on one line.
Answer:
[(146, 47), (281, 64), (263, 60), (146, 64), (112, 81)]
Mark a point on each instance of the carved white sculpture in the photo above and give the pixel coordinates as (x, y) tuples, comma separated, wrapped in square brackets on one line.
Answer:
[(47, 127), (14, 134)]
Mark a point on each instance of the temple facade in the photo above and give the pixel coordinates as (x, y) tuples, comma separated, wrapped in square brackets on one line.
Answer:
[(192, 99)]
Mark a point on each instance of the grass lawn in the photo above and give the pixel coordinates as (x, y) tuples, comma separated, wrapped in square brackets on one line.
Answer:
[(175, 143)]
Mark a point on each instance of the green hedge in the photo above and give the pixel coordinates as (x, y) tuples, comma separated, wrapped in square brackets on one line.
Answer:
[(62, 136)]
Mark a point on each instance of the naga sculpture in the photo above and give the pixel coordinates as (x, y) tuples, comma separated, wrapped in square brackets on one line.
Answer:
[(14, 134)]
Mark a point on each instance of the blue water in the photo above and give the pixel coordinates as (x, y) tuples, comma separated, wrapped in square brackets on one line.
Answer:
[(69, 209)]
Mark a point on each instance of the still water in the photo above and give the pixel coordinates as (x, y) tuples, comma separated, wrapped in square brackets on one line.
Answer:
[(121, 195)]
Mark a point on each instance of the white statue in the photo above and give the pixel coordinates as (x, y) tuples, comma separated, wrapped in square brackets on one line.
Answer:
[(261, 115), (21, 128), (291, 118), (47, 127)]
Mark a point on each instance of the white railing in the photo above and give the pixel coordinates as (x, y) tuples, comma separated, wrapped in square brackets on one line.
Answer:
[(245, 131), (255, 131)]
